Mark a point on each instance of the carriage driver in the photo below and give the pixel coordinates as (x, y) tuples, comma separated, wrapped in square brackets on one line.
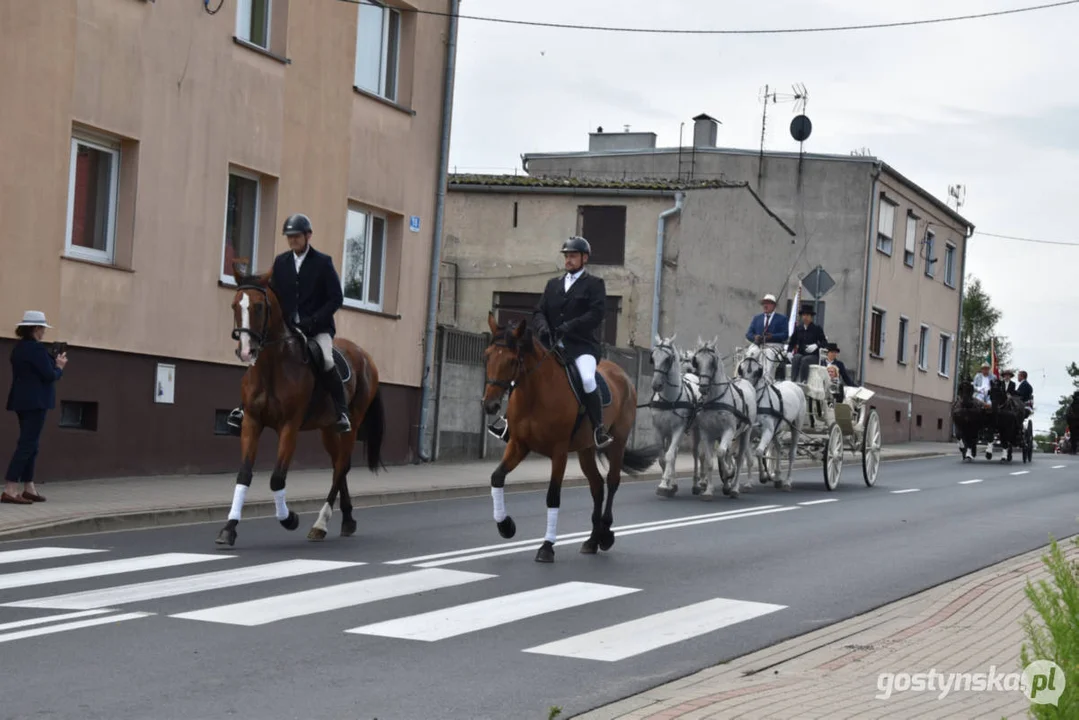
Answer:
[(309, 290), (982, 384), (770, 328)]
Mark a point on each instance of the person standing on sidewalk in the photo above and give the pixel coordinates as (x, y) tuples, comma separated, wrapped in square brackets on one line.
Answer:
[(34, 373)]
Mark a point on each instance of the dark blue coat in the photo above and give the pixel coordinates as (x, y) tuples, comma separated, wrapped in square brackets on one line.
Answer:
[(575, 315), (314, 295), (778, 329), (33, 377)]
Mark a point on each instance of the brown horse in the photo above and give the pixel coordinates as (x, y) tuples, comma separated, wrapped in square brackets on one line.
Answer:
[(280, 392), (545, 417)]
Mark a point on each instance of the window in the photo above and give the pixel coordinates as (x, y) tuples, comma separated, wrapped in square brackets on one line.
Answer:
[(241, 222), (910, 241), (901, 351), (886, 225), (604, 227), (221, 426), (92, 199), (877, 333), (365, 260), (923, 347), (949, 265), (930, 260), (75, 415), (378, 41), (944, 356), (253, 22), (821, 314)]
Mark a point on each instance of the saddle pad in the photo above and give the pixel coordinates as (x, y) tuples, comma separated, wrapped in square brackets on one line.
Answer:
[(578, 388), (339, 360)]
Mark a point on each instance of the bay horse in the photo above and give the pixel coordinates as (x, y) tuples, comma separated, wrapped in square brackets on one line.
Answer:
[(280, 392), (545, 416)]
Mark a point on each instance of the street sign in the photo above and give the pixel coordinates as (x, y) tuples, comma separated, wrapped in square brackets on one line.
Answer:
[(818, 282), (414, 223)]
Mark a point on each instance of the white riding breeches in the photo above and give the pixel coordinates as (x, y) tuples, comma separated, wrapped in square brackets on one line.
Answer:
[(586, 366), (325, 344)]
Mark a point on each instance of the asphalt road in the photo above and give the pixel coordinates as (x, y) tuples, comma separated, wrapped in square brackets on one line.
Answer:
[(152, 625)]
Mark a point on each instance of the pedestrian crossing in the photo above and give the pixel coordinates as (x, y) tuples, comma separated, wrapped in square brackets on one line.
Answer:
[(345, 587)]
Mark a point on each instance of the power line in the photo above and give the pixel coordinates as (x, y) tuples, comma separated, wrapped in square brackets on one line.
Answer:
[(1029, 240), (777, 31)]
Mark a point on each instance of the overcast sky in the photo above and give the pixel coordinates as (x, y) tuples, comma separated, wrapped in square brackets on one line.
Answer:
[(989, 103)]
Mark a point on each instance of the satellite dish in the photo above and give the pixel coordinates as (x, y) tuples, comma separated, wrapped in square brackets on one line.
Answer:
[(801, 128)]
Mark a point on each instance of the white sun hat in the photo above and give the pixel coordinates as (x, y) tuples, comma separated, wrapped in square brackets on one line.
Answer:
[(33, 318), (769, 298)]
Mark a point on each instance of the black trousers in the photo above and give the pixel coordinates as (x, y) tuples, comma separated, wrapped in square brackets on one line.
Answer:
[(800, 365), (21, 467)]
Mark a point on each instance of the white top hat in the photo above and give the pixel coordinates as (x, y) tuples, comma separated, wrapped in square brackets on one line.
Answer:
[(769, 298), (33, 318)]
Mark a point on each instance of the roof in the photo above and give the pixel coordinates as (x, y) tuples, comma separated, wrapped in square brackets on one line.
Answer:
[(532, 181)]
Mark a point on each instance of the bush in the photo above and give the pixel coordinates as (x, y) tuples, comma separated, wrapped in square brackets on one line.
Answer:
[(1057, 637)]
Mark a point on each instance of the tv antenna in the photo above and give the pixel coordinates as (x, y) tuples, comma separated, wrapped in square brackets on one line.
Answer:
[(958, 193), (800, 126)]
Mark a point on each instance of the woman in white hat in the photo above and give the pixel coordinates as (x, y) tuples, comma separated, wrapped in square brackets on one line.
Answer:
[(34, 373)]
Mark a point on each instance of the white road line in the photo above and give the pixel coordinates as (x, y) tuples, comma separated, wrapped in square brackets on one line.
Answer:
[(907, 490), (470, 617), (42, 553), (571, 536), (618, 642), (623, 533), (1057, 467), (1020, 472), (819, 502), (8, 637), (970, 482), (170, 587), (334, 597), (51, 618), (107, 567)]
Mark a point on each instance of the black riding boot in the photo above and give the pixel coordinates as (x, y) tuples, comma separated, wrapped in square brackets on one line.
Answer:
[(595, 413), (337, 392)]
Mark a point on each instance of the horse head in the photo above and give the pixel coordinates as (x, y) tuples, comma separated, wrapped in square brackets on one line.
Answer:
[(752, 365), (505, 360), (256, 313), (965, 393), (997, 396), (664, 358), (708, 363)]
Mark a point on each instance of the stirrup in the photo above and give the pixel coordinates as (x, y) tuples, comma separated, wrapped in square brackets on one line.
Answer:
[(235, 421), (597, 433), (502, 433), (343, 423)]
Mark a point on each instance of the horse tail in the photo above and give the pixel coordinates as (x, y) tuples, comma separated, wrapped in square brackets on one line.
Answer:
[(374, 431), (636, 460)]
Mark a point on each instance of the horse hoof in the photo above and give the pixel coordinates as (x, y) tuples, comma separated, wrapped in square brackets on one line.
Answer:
[(348, 528), (545, 554), (606, 540), (292, 521), (696, 489), (667, 492), (589, 547), (507, 528), (726, 491), (786, 488), (316, 534), (227, 536)]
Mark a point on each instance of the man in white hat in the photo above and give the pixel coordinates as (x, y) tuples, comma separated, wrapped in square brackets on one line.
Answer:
[(982, 383), (770, 328)]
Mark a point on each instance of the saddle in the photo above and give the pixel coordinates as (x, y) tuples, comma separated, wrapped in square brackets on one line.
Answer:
[(313, 356), (577, 385)]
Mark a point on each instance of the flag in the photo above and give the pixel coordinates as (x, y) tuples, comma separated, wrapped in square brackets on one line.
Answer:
[(793, 320), (991, 358)]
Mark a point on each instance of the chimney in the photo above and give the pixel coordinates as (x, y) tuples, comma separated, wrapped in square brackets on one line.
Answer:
[(705, 128)]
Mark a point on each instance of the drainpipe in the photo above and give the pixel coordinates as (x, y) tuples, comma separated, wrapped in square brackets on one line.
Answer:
[(679, 200), (959, 325), (436, 244), (863, 345)]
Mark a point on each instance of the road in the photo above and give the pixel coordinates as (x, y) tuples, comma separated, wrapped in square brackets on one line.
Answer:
[(428, 613)]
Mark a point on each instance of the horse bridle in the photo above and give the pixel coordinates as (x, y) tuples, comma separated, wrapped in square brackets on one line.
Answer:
[(665, 367), (521, 371), (258, 337)]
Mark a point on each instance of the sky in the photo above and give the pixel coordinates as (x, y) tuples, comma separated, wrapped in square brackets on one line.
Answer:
[(991, 104)]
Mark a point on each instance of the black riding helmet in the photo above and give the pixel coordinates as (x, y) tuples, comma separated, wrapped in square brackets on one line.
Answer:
[(297, 224), (577, 244)]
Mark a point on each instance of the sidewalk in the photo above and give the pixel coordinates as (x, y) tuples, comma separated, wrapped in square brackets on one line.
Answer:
[(967, 625), (86, 506)]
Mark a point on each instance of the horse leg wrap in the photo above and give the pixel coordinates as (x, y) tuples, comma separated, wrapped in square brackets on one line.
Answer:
[(498, 477), (277, 480), (279, 504), (552, 525), (554, 497), (498, 499), (239, 493)]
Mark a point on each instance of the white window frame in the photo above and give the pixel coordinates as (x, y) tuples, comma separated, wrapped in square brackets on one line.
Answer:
[(944, 355), (226, 277), (369, 216), (112, 149), (389, 93), (930, 248), (904, 332), (923, 347), (910, 240), (244, 10), (949, 264), (886, 240), (883, 332)]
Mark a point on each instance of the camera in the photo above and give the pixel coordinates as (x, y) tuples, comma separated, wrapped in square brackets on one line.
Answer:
[(57, 349)]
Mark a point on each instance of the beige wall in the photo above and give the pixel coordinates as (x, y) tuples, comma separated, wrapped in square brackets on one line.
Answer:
[(900, 290), (186, 102)]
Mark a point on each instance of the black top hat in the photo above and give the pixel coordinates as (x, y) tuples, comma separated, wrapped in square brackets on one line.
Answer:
[(831, 347), (808, 310)]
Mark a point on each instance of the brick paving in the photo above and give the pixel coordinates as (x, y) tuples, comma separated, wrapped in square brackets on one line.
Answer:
[(968, 625)]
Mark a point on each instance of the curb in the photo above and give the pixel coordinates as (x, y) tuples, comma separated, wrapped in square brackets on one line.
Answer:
[(218, 512)]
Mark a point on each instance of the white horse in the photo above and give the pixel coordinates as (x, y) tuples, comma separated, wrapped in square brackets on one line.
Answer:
[(674, 403), (778, 403), (728, 413)]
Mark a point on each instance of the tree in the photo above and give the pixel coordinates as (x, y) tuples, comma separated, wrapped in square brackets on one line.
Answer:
[(980, 320), (1060, 416)]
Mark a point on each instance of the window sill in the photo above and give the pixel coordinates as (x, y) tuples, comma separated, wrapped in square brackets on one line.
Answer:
[(261, 50), (901, 362), (943, 375), (882, 251), (97, 263), (876, 357), (949, 285), (385, 101), (923, 369), (369, 311)]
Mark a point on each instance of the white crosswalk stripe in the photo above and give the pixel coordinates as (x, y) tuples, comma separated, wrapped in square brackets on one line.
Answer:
[(603, 641)]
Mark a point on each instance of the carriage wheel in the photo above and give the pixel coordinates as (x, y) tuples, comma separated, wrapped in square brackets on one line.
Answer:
[(871, 441), (832, 457)]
